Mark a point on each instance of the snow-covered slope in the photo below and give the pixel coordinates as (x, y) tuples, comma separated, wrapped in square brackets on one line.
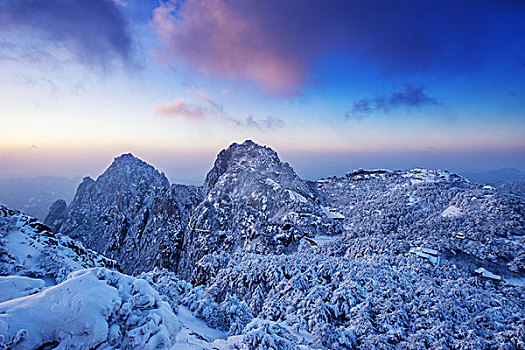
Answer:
[(387, 212), (102, 308), (394, 302), (29, 248)]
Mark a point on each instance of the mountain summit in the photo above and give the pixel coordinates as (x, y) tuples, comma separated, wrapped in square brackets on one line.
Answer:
[(254, 203), (129, 213), (247, 154), (128, 171)]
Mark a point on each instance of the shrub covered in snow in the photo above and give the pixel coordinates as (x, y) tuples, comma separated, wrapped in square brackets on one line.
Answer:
[(375, 305), (93, 308), (261, 335), (230, 315)]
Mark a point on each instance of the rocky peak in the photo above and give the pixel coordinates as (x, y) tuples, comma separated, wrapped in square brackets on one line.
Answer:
[(130, 171), (253, 202), (129, 213), (245, 155)]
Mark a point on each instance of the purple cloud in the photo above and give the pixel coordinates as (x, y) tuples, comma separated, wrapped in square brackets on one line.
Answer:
[(222, 39), (95, 31), (410, 96)]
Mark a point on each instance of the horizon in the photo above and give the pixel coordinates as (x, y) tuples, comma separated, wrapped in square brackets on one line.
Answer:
[(194, 172), (339, 87)]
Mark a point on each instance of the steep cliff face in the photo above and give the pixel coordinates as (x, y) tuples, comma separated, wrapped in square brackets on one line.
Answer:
[(129, 213), (57, 215), (254, 203)]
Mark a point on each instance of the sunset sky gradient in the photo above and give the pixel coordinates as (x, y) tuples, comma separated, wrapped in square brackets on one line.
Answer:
[(330, 85)]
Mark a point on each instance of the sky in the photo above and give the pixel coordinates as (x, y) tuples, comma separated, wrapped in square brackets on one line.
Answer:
[(330, 85)]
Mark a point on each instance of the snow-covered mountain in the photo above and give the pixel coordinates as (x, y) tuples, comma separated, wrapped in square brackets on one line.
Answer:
[(130, 213), (387, 212), (253, 203), (374, 259)]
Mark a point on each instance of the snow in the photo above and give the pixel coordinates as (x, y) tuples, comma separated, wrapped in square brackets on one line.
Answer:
[(413, 200), (332, 213), (12, 287), (195, 334), (260, 334), (296, 197), (431, 255), (517, 282), (322, 240), (31, 250), (487, 274), (452, 212), (92, 308), (272, 184)]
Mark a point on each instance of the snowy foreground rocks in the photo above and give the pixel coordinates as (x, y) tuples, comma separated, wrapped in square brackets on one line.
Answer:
[(92, 308)]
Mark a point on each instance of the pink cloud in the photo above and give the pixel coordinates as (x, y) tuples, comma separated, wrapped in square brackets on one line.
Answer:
[(223, 39), (181, 109)]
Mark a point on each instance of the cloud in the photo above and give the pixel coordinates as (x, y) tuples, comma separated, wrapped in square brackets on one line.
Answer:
[(410, 96), (268, 123), (277, 43), (95, 32), (218, 39), (264, 124), (180, 109), (216, 106)]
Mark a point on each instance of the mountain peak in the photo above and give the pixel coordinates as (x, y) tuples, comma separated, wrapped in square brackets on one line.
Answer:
[(246, 154), (128, 158), (127, 168), (248, 146)]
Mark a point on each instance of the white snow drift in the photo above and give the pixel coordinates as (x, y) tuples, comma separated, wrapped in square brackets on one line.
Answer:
[(92, 308)]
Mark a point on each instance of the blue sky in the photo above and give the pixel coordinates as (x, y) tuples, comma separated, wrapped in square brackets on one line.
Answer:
[(330, 85)]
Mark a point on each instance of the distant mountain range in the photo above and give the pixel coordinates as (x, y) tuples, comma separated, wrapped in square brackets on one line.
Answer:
[(507, 179), (34, 196), (492, 177)]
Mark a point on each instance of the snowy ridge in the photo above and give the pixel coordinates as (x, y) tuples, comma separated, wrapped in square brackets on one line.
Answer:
[(386, 212), (29, 248)]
